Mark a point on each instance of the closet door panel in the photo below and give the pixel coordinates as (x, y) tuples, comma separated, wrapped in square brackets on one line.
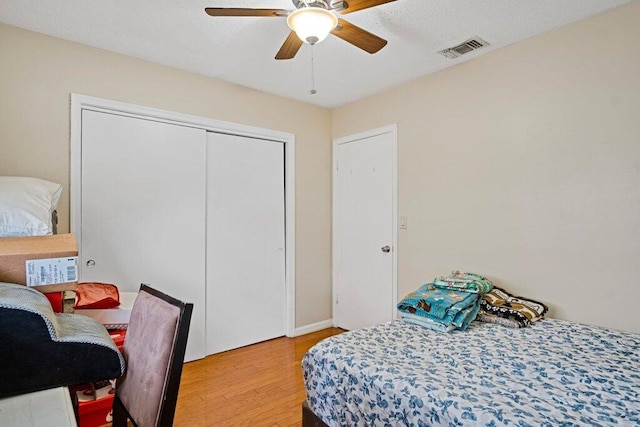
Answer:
[(143, 209), (245, 241)]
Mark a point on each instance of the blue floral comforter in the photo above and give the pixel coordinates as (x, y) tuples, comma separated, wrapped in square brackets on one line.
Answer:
[(553, 373)]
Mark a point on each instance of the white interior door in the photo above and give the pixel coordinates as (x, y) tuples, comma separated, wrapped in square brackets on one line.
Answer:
[(245, 241), (143, 209), (364, 229)]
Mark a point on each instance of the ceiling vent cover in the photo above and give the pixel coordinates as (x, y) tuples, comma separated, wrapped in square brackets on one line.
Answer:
[(466, 47)]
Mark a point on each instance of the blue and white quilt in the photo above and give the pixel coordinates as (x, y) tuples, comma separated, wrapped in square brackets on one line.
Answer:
[(553, 373)]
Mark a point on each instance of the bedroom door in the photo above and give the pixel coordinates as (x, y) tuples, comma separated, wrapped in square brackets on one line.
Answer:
[(143, 209), (364, 229), (246, 296)]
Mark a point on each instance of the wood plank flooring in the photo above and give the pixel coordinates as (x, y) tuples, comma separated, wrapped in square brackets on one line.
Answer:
[(257, 385)]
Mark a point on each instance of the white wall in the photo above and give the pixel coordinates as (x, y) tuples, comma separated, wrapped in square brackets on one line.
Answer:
[(38, 73), (524, 165)]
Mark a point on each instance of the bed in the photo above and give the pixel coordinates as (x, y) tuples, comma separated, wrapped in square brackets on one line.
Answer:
[(553, 373)]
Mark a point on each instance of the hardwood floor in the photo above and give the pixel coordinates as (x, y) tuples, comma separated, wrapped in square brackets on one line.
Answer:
[(257, 385)]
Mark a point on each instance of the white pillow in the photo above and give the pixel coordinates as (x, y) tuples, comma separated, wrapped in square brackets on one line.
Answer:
[(26, 206)]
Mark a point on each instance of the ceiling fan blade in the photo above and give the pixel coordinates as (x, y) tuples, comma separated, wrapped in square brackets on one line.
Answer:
[(230, 11), (358, 37), (290, 47), (356, 5)]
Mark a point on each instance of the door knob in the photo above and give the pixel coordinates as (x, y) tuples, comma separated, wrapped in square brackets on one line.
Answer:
[(386, 249), (91, 263)]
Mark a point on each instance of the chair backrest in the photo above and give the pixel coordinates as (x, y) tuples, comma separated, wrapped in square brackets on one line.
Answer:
[(154, 354)]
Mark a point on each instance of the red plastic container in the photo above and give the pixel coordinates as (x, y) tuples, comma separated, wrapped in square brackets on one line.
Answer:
[(55, 298), (95, 413), (118, 336)]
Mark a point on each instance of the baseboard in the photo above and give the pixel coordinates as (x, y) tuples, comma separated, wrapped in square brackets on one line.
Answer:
[(314, 327)]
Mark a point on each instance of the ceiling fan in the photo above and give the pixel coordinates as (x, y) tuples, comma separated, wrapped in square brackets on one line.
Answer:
[(313, 20)]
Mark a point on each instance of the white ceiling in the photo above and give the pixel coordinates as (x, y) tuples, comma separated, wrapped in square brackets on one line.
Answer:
[(178, 33)]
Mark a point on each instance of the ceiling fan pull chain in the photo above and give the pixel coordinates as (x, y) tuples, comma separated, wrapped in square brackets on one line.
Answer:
[(313, 74)]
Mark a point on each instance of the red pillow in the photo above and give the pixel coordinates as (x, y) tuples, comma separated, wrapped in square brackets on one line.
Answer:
[(97, 295)]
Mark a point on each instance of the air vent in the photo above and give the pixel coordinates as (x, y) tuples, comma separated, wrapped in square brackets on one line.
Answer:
[(466, 47)]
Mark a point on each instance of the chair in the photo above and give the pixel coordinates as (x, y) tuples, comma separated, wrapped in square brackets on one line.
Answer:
[(154, 353)]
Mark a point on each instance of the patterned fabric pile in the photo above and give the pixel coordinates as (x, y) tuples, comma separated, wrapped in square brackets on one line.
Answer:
[(498, 306), (448, 303), (453, 301), (466, 282)]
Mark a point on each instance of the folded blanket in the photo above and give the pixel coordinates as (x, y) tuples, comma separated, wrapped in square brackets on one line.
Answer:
[(466, 282), (522, 311), (426, 322), (450, 322), (483, 316), (466, 316), (437, 303)]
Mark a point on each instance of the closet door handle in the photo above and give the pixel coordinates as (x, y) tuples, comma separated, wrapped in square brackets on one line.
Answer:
[(386, 249)]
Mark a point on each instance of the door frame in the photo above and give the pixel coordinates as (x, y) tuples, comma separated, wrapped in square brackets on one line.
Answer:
[(392, 130), (81, 102)]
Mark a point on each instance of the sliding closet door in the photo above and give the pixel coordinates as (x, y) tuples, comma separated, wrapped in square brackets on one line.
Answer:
[(245, 241), (143, 209)]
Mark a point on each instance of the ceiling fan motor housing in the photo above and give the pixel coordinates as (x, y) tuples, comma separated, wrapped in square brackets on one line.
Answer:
[(313, 3)]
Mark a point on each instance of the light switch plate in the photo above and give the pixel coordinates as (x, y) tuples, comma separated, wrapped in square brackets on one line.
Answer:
[(403, 222)]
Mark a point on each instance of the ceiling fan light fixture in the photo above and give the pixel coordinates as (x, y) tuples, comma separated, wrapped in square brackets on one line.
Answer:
[(312, 24)]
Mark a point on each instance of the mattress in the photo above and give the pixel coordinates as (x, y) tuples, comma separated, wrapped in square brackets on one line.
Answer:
[(552, 373), (113, 318)]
